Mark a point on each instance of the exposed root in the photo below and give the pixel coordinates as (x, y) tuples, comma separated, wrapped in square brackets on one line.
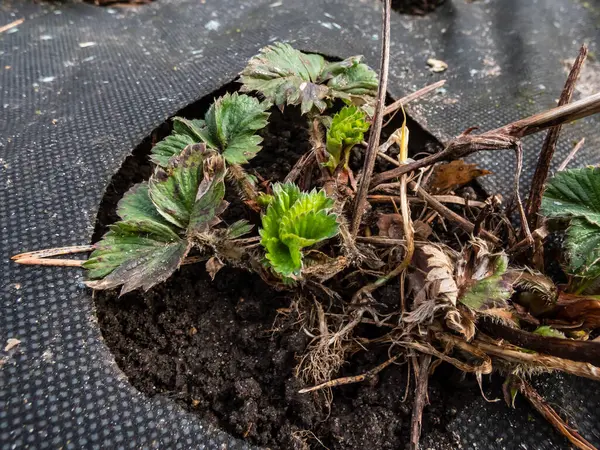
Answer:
[(355, 379), (422, 381), (542, 406)]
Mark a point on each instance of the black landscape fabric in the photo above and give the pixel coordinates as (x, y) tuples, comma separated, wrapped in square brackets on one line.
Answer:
[(81, 86)]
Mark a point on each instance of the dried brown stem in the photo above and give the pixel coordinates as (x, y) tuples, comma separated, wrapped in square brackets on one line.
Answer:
[(571, 155), (349, 380), (413, 96), (50, 262), (524, 225), (304, 163), (454, 199), (543, 166), (541, 406), (420, 400), (52, 252), (13, 24), (583, 351), (501, 138), (484, 367), (448, 214), (380, 240), (375, 133), (579, 369)]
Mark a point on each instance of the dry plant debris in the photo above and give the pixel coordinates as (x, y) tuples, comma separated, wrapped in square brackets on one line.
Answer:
[(471, 290)]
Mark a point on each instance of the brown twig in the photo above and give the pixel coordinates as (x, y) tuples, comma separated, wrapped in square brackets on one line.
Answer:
[(372, 149), (524, 225), (454, 199), (413, 96), (582, 351), (349, 380), (420, 400), (543, 166), (380, 240), (579, 369), (501, 138), (8, 26), (305, 161), (484, 367), (41, 257), (571, 155), (542, 406), (448, 214)]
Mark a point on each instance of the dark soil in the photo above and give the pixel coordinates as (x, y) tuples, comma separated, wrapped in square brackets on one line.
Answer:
[(217, 349), (416, 7)]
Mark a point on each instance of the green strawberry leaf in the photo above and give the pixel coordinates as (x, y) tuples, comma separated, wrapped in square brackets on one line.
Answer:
[(157, 220), (295, 220), (173, 189), (574, 193), (127, 258), (489, 292), (358, 79), (188, 127), (285, 75), (139, 213), (239, 228), (583, 248), (231, 125), (347, 129), (170, 146), (209, 202), (548, 331)]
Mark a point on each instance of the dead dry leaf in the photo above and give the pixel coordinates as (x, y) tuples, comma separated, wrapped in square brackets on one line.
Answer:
[(213, 265), (436, 65), (578, 309), (11, 343), (452, 175), (390, 225)]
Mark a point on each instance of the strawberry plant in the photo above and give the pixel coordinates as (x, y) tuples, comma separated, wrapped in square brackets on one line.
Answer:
[(468, 284)]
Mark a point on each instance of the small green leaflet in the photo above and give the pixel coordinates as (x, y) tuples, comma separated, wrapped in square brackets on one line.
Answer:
[(173, 189), (548, 331), (347, 129), (358, 79), (286, 76), (492, 291), (231, 125), (295, 220), (170, 146), (575, 194), (158, 221)]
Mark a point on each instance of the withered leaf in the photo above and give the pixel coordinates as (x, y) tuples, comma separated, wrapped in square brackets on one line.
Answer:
[(454, 174), (433, 283), (390, 225), (213, 265), (578, 309)]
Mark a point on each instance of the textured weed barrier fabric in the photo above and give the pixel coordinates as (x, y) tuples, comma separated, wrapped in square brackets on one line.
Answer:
[(81, 86)]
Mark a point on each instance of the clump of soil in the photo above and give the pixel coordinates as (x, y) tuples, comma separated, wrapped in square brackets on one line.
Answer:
[(227, 350), (416, 7)]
